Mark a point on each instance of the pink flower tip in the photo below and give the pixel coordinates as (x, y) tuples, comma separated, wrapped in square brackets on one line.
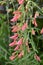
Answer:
[(12, 44), (35, 23), (41, 31), (21, 1), (33, 32), (24, 26), (37, 58), (15, 36), (16, 48), (12, 58), (20, 41), (21, 54)]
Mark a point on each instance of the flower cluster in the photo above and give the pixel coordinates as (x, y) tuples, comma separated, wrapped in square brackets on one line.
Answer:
[(18, 42), (18, 29)]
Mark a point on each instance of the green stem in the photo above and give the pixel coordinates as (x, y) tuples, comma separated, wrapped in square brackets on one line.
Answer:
[(7, 7), (35, 6)]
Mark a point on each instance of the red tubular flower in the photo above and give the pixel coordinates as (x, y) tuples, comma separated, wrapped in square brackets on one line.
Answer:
[(33, 32), (41, 31), (36, 15), (12, 57), (20, 1), (21, 54), (12, 44), (34, 22), (20, 41), (16, 48), (15, 36), (26, 43), (16, 29), (24, 26), (15, 18), (37, 58)]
